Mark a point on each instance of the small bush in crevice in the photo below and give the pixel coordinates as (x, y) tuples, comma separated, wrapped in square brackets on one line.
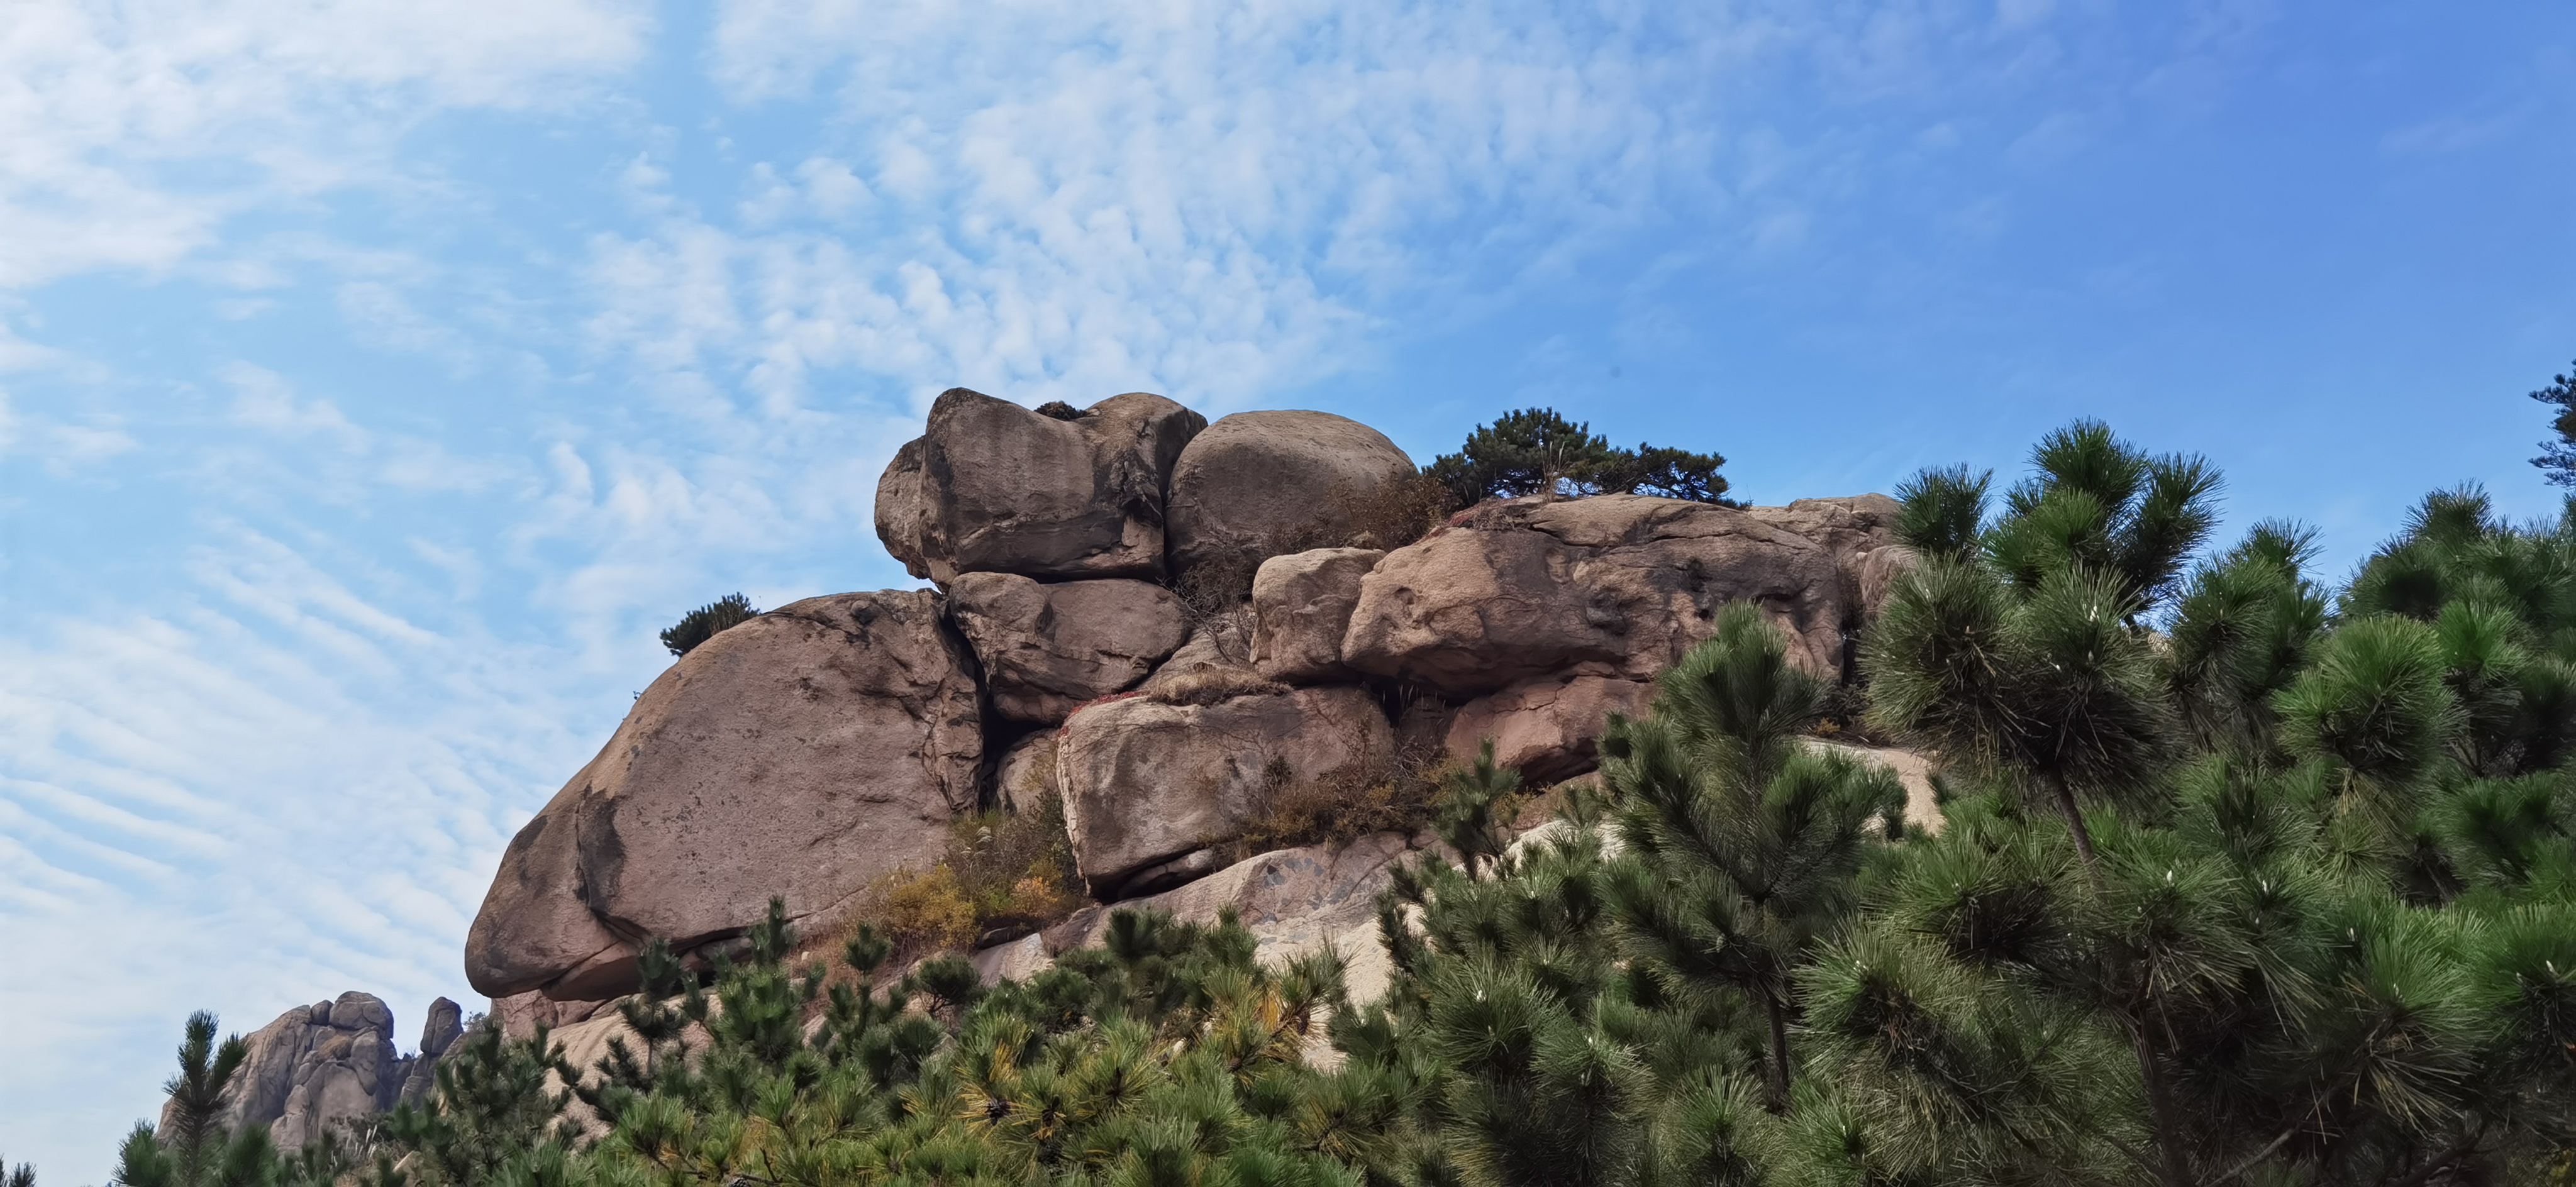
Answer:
[(1403, 794), (1001, 869), (1059, 410), (701, 624), (1392, 515)]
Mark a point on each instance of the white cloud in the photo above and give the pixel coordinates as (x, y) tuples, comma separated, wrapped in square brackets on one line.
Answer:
[(269, 784), (130, 132), (1204, 198)]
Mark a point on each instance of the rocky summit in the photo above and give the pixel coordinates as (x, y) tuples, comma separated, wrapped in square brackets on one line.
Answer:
[(1075, 633)]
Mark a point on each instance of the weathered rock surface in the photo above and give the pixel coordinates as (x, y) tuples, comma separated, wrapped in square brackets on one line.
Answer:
[(1256, 484), (315, 1067), (1012, 960), (992, 487), (1048, 648), (1294, 901), (804, 753), (1144, 781), (1546, 728), (1301, 608), (1613, 585), (1025, 774)]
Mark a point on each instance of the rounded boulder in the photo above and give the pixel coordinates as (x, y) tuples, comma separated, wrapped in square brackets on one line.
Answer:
[(1259, 484)]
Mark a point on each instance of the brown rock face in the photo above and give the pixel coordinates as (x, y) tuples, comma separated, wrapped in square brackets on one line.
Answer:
[(803, 753), (1846, 526), (1546, 728), (1256, 484), (1048, 648), (1301, 607), (1613, 585), (991, 487), (1145, 781)]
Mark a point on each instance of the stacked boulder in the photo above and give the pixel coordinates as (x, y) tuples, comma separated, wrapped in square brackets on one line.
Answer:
[(1155, 620), (320, 1066)]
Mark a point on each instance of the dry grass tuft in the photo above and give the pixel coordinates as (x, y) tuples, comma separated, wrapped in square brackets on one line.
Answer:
[(1402, 795), (1390, 516), (1001, 869), (1209, 685)]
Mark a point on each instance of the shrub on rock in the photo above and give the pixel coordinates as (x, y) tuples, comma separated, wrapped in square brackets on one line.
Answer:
[(699, 625)]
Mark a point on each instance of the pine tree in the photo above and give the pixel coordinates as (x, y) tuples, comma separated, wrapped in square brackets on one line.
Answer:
[(2557, 460), (196, 1138), (1537, 451), (1747, 844), (489, 1117), (703, 623)]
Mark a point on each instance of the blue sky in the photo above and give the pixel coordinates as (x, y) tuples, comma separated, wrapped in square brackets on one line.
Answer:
[(374, 383)]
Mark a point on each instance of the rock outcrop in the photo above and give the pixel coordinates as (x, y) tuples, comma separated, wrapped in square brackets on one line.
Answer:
[(1048, 648), (1301, 608), (992, 487), (1144, 781), (438, 1032), (317, 1067), (804, 753), (811, 751), (1257, 484), (1613, 585)]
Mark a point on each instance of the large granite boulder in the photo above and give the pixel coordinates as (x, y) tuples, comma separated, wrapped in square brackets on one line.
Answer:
[(1257, 484), (1048, 648), (1613, 585), (1144, 781), (1546, 728), (1301, 608), (992, 487), (1860, 532), (804, 753)]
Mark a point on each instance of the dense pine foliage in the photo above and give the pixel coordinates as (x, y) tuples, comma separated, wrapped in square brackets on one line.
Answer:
[(1538, 451), (699, 625), (2238, 879)]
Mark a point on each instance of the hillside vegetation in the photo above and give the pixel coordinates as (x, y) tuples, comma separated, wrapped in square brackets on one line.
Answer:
[(2240, 879)]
